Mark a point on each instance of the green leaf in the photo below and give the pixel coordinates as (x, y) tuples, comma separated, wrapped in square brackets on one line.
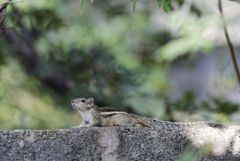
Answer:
[(82, 4), (134, 5), (166, 4)]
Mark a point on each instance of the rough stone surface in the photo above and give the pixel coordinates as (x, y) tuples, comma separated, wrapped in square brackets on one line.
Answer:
[(165, 142)]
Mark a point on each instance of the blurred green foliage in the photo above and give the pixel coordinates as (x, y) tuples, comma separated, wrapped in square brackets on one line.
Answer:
[(24, 104), (192, 154), (166, 4), (106, 51), (188, 156)]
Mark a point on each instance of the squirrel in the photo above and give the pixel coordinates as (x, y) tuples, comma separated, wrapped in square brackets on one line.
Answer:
[(92, 115)]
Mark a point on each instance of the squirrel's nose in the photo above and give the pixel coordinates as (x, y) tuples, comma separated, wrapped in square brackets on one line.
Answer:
[(72, 102)]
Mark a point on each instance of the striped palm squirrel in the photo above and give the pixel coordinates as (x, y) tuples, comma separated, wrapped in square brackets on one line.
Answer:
[(92, 115)]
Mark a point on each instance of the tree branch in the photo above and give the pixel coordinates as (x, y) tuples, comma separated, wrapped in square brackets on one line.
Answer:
[(22, 43), (229, 43), (3, 7)]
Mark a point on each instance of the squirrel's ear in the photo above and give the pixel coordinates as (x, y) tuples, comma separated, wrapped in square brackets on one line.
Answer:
[(91, 101)]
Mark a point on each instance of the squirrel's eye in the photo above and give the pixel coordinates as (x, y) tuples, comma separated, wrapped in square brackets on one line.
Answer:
[(82, 101)]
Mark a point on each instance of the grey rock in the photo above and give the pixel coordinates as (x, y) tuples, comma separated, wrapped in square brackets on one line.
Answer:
[(166, 141)]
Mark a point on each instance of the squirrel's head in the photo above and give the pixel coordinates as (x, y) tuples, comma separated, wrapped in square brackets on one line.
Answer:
[(83, 104)]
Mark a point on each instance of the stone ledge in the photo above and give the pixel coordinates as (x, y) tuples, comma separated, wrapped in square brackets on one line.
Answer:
[(166, 142)]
